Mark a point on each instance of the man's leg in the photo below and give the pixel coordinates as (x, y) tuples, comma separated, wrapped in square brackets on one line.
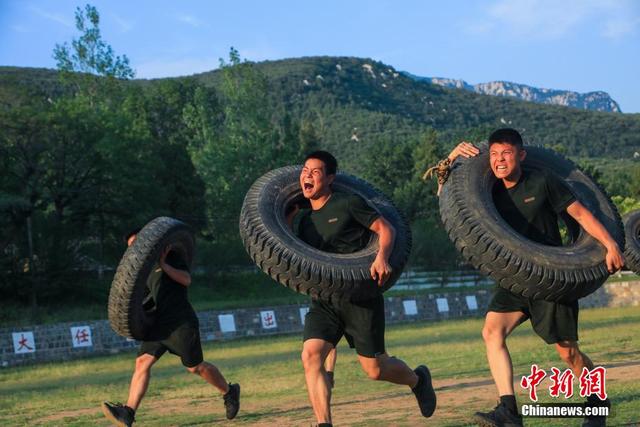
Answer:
[(124, 415), (211, 374), (385, 368), (314, 353), (576, 360), (140, 379), (330, 365), (497, 327), (231, 392), (185, 342)]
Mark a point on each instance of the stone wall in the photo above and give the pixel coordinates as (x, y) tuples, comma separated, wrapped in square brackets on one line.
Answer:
[(73, 340)]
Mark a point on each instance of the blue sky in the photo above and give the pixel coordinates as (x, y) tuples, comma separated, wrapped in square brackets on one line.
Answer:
[(580, 45)]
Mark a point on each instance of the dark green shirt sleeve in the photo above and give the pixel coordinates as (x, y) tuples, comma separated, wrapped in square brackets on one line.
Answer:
[(559, 194), (361, 211)]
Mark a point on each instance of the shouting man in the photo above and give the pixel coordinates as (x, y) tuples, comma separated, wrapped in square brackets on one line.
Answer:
[(530, 202), (341, 223)]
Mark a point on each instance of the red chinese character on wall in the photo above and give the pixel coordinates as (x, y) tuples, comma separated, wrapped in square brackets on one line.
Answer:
[(532, 381), (593, 382), (561, 383), (24, 343)]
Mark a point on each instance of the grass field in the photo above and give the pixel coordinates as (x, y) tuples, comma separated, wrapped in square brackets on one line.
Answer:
[(273, 390)]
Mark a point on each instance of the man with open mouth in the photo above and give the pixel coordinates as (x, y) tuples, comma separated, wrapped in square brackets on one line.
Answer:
[(530, 202), (342, 223)]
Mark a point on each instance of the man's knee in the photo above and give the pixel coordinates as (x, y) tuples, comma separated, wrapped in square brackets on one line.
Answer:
[(375, 366), (144, 362), (374, 372), (492, 334), (311, 358), (197, 369)]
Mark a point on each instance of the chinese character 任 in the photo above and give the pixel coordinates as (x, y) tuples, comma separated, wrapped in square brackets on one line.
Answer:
[(532, 381), (561, 383), (82, 336), (24, 343), (593, 382)]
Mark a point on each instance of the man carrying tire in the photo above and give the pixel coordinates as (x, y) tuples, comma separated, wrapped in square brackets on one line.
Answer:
[(341, 223), (177, 330), (529, 201)]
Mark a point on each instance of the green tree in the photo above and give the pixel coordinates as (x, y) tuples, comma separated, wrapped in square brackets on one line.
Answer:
[(89, 53), (235, 140)]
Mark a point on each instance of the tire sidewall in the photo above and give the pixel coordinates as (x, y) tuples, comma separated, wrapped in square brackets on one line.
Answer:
[(268, 199), (469, 191)]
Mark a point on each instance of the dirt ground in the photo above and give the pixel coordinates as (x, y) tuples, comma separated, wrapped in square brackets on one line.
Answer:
[(457, 401)]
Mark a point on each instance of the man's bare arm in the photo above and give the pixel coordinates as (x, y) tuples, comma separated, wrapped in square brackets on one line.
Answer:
[(181, 276), (464, 149), (590, 223), (380, 269)]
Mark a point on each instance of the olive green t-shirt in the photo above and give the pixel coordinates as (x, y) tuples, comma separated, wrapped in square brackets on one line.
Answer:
[(340, 226), (171, 301), (531, 207)]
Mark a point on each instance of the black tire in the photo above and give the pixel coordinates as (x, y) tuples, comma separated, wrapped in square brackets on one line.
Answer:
[(131, 312), (516, 263), (328, 276), (632, 241)]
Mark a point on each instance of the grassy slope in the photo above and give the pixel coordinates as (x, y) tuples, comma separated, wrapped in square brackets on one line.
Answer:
[(273, 386)]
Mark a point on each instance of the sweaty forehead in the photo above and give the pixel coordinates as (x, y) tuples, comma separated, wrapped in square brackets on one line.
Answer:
[(314, 164), (501, 146)]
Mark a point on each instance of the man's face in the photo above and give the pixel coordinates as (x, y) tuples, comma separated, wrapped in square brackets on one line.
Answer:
[(314, 181), (505, 160), (131, 239)]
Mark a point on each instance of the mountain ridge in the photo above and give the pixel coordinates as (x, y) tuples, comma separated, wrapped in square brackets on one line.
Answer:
[(593, 101)]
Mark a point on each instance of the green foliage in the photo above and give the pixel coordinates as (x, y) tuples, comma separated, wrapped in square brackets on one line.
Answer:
[(237, 140), (626, 204), (89, 53)]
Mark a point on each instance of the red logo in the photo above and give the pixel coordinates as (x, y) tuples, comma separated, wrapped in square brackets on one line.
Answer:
[(532, 381), (561, 383), (593, 382)]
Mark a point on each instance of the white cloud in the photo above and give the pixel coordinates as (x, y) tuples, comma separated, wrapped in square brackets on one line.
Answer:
[(190, 20), (52, 16), (552, 19), (175, 67), (124, 25), (616, 28)]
